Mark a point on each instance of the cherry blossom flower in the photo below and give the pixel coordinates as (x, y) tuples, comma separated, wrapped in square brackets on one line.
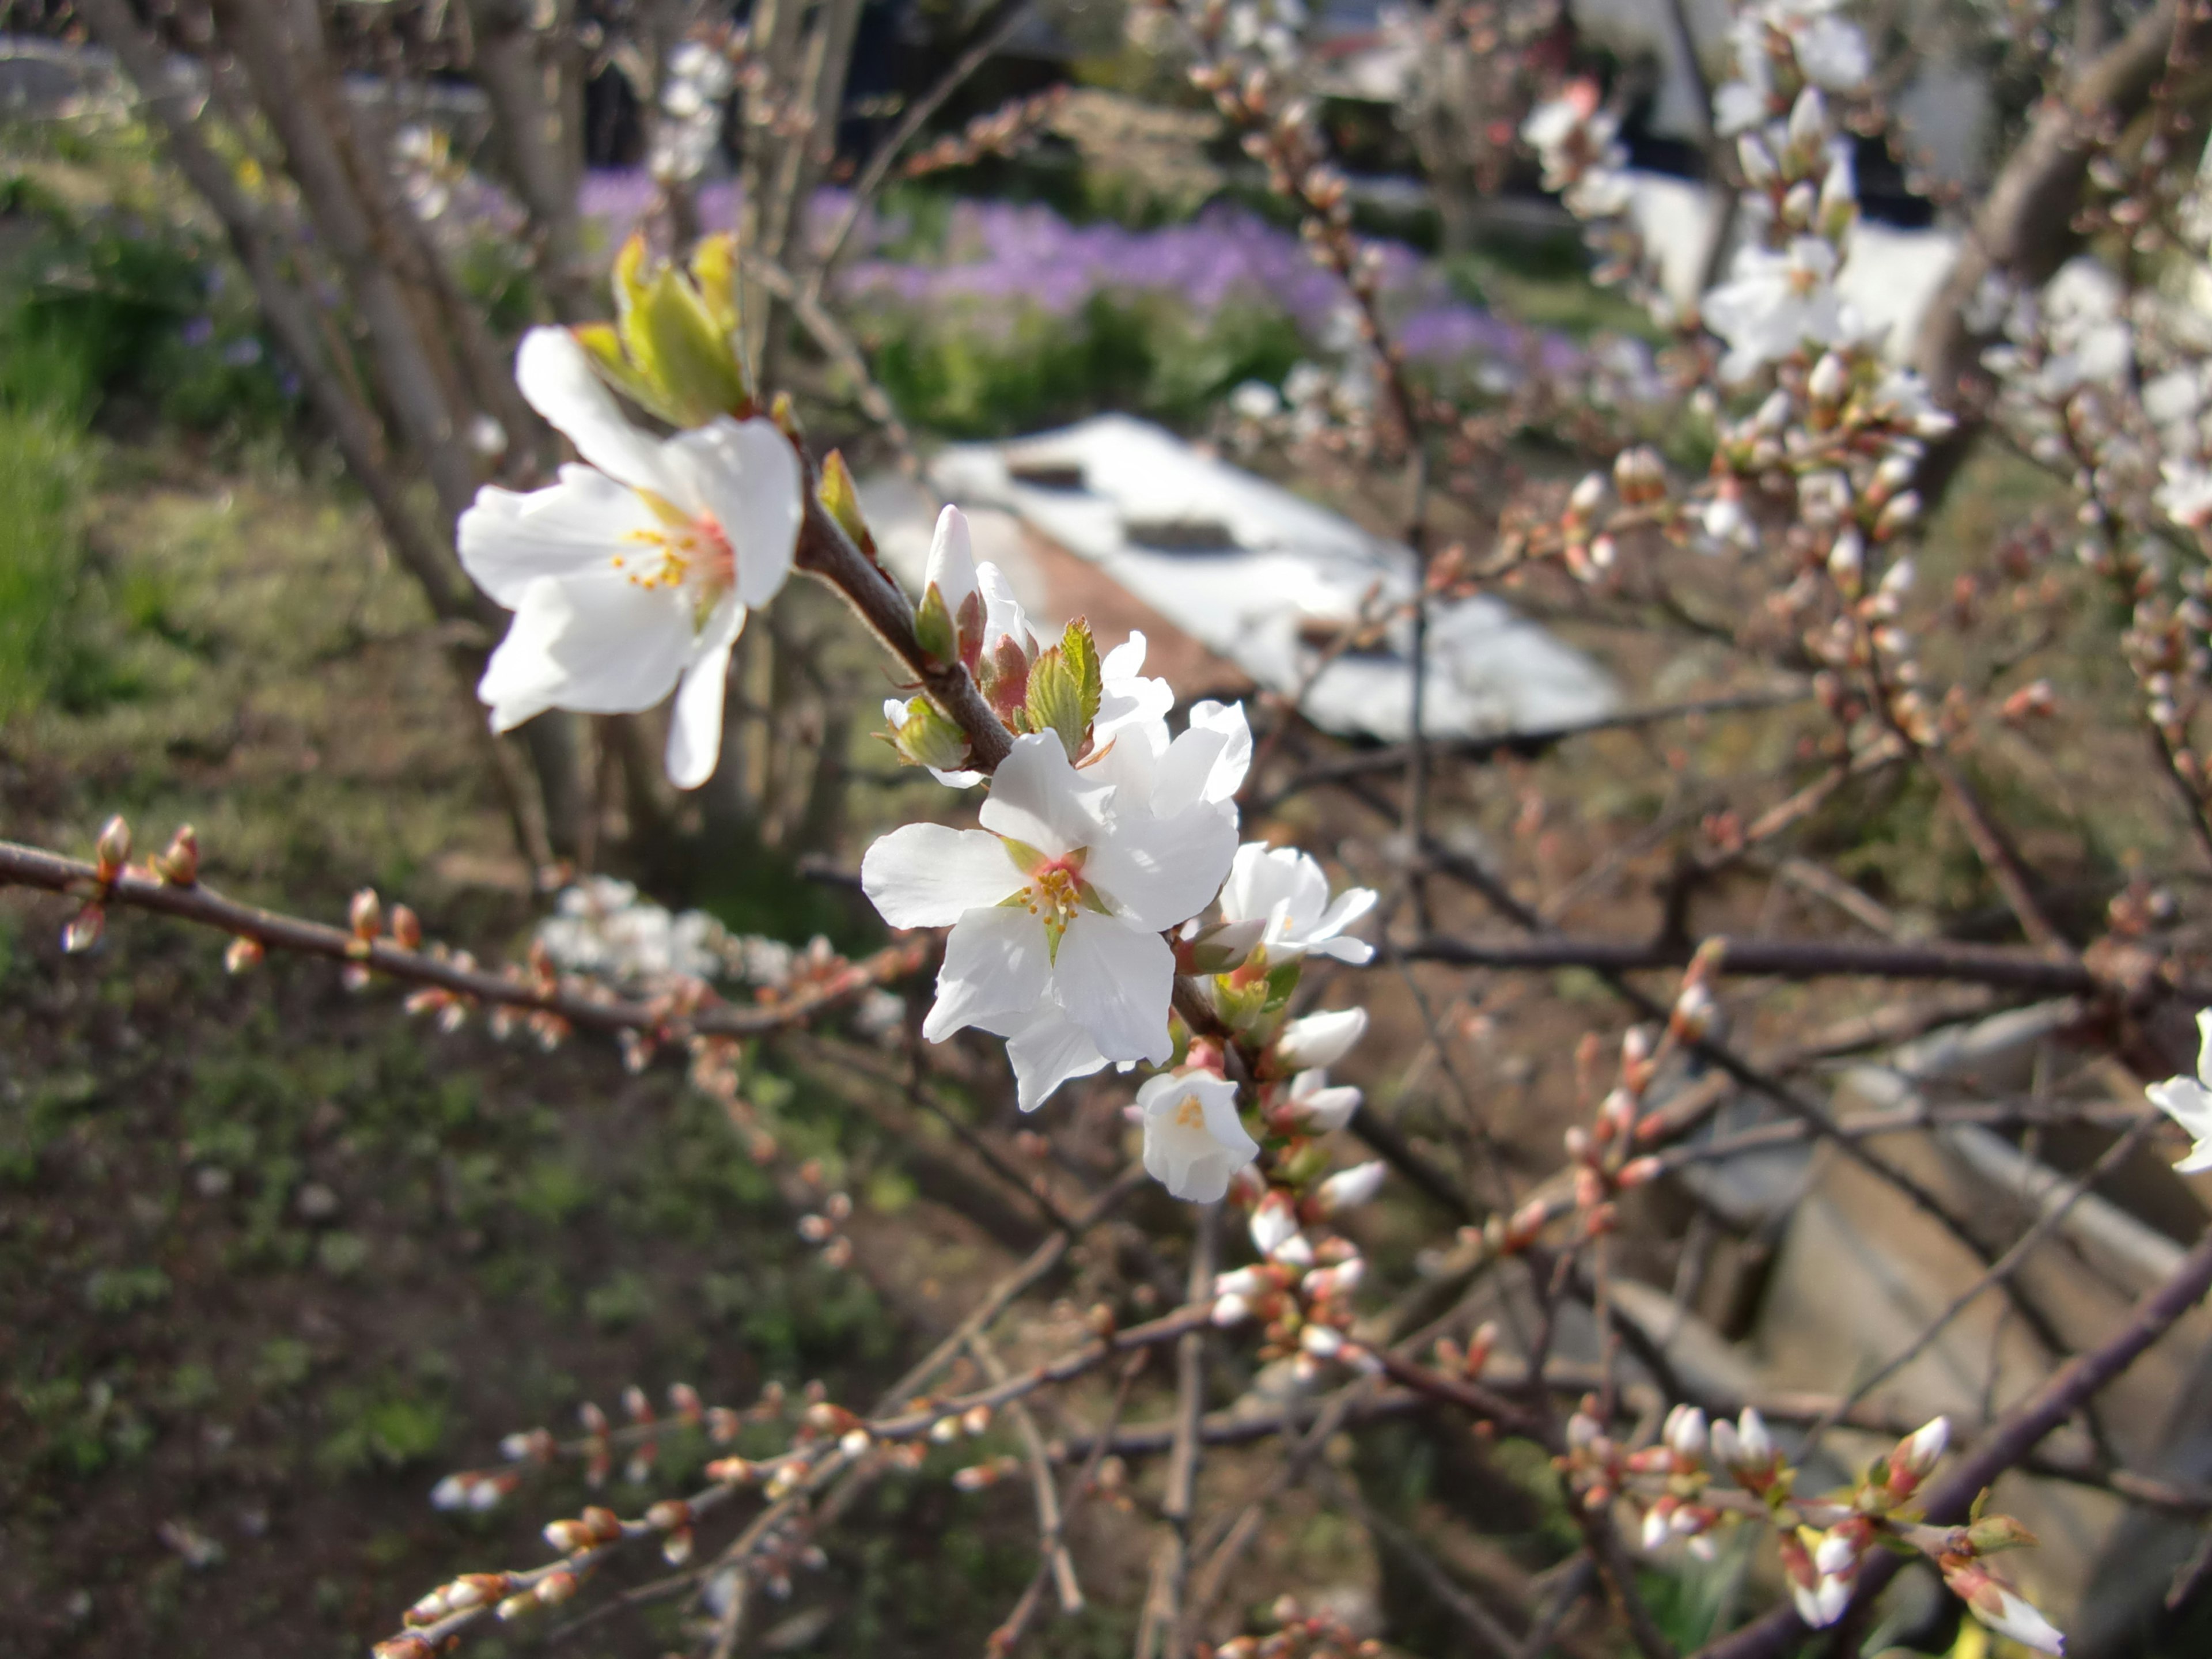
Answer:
[(1776, 304), (1202, 768), (1287, 890), (2188, 1101), (1057, 902), (1194, 1140), (631, 577)]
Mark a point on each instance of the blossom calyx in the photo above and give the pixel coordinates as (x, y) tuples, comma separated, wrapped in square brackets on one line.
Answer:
[(923, 735)]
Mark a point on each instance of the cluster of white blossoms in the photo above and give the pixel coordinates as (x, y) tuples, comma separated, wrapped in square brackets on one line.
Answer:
[(601, 926), (631, 577), (695, 83), (1104, 840), (1780, 47)]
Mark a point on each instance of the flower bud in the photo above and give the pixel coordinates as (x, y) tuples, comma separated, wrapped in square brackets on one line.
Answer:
[(113, 850), (923, 736), (1685, 1433), (179, 866), (1317, 1107), (1994, 1533), (243, 952), (1318, 1040), (366, 914), (1221, 948), (1808, 121), (83, 930), (2001, 1608), (1918, 1452), (1274, 1223), (1828, 381), (1348, 1187)]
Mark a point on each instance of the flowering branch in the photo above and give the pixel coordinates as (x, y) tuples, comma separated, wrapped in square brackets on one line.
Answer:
[(560, 1003)]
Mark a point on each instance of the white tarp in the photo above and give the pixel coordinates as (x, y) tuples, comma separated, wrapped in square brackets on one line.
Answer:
[(1254, 574)]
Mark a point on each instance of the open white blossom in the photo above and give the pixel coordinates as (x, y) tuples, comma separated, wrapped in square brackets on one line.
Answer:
[(1194, 1140), (1046, 1045), (2188, 1101), (1775, 304), (1057, 901), (1288, 891), (631, 577)]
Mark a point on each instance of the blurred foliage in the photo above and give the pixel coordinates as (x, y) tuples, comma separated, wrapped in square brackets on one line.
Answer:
[(971, 375)]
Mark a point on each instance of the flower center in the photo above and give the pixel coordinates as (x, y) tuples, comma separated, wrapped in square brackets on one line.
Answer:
[(1190, 1115), (1054, 893), (681, 549)]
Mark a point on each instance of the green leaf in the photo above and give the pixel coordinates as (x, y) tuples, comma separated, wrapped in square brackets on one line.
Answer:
[(688, 357), (1056, 701), (1082, 654), (603, 344), (842, 497)]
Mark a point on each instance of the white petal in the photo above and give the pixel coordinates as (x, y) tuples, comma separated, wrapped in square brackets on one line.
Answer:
[(995, 965), (1126, 661), (600, 648), (2205, 1047), (1159, 874), (1003, 617), (2186, 1102), (930, 875), (951, 566), (745, 475), (1046, 1050), (577, 527), (1235, 756), (695, 725), (1038, 799), (556, 379), (1115, 980)]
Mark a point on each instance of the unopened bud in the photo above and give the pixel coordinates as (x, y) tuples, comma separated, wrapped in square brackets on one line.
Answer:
[(366, 914), (113, 850), (180, 865), (243, 952), (83, 930), (1828, 381), (406, 928)]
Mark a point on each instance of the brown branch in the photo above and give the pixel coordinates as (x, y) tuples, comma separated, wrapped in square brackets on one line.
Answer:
[(31, 866), (2015, 1435), (826, 552), (2029, 971)]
